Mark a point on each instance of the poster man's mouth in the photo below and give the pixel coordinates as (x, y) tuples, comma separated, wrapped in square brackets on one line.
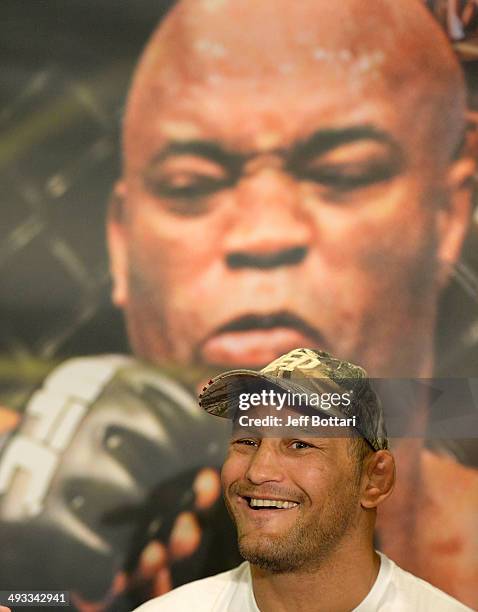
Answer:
[(268, 321), (254, 340)]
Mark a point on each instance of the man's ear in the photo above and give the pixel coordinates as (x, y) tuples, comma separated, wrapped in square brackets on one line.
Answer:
[(454, 214), (379, 471), (117, 245)]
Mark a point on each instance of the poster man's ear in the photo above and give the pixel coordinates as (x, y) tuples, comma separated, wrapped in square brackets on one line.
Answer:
[(454, 215), (117, 245)]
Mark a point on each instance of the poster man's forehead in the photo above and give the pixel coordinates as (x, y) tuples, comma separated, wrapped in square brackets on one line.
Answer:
[(228, 34), (389, 49)]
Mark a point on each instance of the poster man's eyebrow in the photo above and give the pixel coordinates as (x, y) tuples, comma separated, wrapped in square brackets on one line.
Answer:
[(203, 148), (322, 141), (319, 143), (229, 165)]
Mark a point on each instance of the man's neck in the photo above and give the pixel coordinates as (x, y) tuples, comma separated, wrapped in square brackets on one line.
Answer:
[(339, 584)]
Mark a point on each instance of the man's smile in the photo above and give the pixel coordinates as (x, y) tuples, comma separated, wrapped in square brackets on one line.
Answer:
[(280, 504), (262, 504)]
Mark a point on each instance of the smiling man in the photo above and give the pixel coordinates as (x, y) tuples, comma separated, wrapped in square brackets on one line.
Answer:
[(305, 504), (293, 174)]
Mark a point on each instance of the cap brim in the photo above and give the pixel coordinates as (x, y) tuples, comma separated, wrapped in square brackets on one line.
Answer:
[(220, 397)]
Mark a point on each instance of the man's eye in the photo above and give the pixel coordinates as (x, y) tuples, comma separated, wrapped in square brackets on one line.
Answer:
[(299, 445), (345, 166), (245, 442), (345, 177), (186, 177)]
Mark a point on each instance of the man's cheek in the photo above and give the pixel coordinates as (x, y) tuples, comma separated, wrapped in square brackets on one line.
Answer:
[(225, 481), (176, 255), (233, 467), (383, 246)]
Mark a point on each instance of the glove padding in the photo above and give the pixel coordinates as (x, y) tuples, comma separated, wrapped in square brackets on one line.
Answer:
[(103, 461)]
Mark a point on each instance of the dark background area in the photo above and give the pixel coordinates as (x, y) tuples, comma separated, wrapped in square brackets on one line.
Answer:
[(65, 70)]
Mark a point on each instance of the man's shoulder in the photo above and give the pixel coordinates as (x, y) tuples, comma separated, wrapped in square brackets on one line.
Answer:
[(200, 595), (421, 595)]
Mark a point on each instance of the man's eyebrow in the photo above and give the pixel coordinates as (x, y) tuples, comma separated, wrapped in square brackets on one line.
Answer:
[(203, 148), (322, 141), (246, 432), (318, 143)]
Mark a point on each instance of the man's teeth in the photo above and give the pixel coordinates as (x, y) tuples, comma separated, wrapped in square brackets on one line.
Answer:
[(271, 503)]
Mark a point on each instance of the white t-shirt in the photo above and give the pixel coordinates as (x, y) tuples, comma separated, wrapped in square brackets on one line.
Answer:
[(394, 590)]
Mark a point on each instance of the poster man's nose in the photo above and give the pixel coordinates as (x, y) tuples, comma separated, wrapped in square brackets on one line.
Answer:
[(269, 229)]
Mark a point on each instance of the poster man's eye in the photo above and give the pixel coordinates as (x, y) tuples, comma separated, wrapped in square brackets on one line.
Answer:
[(186, 176), (346, 166), (347, 176)]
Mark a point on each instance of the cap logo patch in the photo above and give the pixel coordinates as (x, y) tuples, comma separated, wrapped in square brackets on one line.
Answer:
[(304, 359)]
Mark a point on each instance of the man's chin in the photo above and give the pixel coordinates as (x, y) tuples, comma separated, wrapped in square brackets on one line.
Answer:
[(267, 554)]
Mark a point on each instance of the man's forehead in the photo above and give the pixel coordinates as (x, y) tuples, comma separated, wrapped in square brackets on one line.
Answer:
[(218, 38), (216, 41), (221, 61), (265, 421), (248, 123), (329, 444)]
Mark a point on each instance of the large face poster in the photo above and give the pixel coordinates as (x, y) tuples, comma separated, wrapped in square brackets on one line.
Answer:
[(205, 185)]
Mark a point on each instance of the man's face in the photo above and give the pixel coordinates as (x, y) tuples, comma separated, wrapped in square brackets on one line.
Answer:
[(313, 480), (266, 212)]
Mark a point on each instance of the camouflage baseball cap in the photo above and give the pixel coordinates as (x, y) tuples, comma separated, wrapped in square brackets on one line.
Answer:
[(304, 371)]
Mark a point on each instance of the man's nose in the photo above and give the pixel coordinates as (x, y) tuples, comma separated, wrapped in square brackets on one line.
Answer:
[(265, 465), (269, 229)]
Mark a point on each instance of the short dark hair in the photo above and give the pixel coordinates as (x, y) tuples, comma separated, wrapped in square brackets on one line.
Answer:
[(359, 449)]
